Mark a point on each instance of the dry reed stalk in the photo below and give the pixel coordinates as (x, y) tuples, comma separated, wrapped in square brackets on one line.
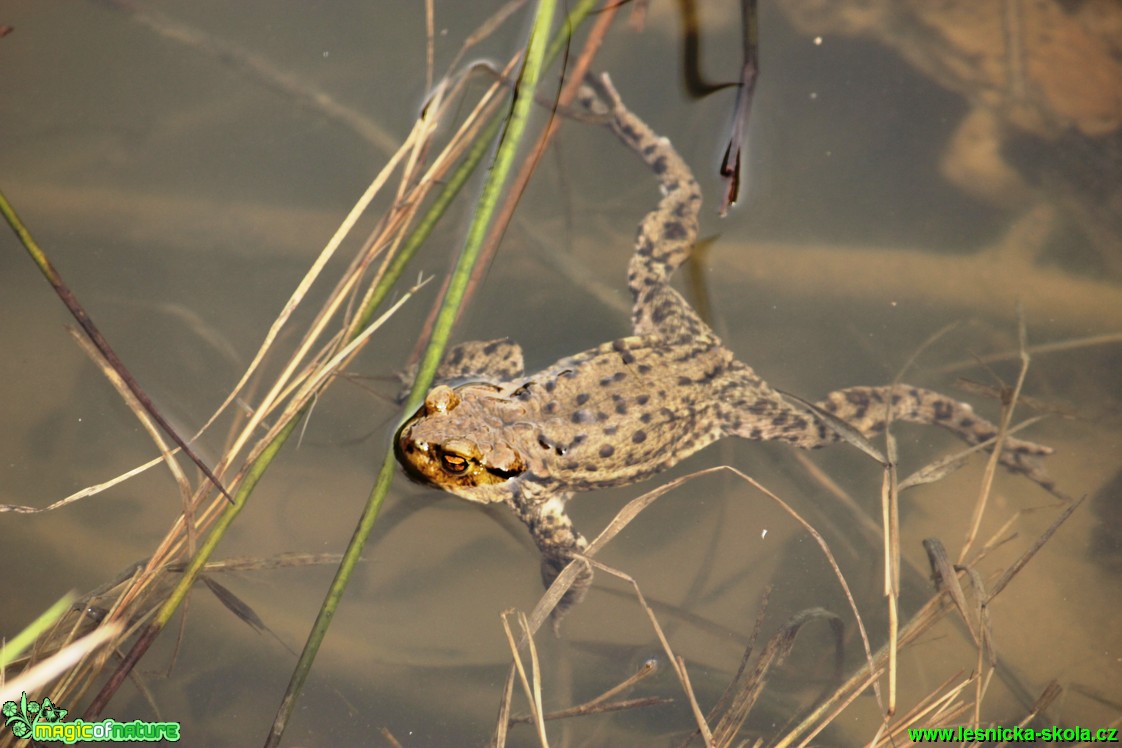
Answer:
[(306, 371), (531, 687), (1003, 429)]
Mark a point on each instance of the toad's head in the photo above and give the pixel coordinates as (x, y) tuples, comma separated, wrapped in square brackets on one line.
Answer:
[(455, 441)]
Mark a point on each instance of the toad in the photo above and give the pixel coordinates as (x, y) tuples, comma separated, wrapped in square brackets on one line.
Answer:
[(630, 408)]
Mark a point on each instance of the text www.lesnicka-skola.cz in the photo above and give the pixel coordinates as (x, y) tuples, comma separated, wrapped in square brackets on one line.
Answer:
[(1013, 734)]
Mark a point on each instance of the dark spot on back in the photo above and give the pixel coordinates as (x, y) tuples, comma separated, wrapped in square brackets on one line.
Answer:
[(797, 425), (857, 397), (943, 410), (673, 230)]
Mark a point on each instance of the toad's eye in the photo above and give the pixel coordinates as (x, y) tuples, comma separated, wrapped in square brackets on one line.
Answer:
[(453, 463)]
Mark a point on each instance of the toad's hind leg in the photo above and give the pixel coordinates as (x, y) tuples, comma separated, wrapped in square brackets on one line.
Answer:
[(753, 410), (667, 234), (865, 409)]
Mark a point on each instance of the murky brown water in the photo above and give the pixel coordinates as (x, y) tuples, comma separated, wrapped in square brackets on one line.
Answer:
[(183, 198)]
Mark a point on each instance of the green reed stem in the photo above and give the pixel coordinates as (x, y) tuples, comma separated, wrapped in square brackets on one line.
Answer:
[(456, 181), (510, 140), (11, 649)]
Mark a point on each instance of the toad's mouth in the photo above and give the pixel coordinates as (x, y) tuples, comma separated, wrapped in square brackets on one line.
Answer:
[(415, 456)]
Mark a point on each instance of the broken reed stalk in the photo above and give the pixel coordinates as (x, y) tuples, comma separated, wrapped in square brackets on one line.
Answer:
[(890, 502), (890, 525), (1002, 431)]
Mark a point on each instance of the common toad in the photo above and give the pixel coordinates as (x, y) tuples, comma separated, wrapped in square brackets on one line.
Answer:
[(625, 410)]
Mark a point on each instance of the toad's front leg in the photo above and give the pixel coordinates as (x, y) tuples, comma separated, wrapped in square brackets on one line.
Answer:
[(559, 543)]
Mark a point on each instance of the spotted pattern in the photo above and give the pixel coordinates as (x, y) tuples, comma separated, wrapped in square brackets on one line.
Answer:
[(627, 409)]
